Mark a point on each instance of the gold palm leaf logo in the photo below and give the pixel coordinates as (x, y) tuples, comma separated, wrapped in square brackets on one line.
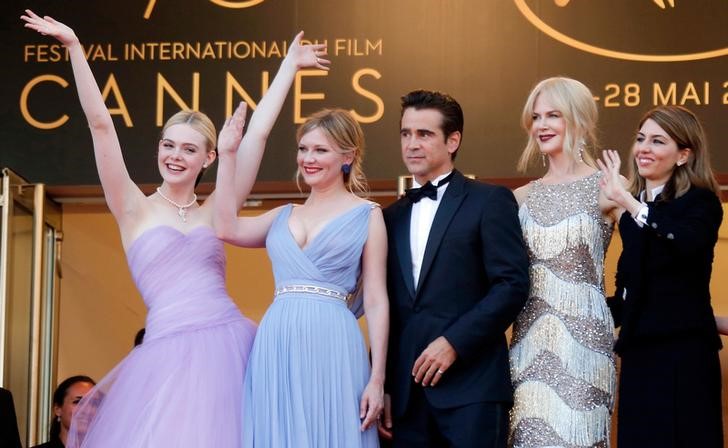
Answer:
[(560, 36), (660, 3), (224, 3)]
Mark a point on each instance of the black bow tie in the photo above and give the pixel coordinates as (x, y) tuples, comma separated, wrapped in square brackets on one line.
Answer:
[(426, 191)]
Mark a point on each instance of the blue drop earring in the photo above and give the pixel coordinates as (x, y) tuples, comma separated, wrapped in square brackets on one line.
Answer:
[(346, 168)]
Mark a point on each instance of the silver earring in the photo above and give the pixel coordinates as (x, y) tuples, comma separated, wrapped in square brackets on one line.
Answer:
[(204, 165), (582, 145)]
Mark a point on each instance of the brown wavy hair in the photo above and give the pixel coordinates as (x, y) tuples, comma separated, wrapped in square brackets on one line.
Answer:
[(685, 129)]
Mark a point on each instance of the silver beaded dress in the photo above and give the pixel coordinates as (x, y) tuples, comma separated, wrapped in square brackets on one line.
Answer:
[(562, 363)]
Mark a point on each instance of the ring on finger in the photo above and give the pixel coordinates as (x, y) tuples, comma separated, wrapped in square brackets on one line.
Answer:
[(440, 371)]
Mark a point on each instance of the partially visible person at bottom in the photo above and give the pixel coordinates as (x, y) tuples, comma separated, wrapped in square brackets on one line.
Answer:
[(670, 379), (457, 276), (183, 387), (309, 383), (561, 356), (9, 436), (65, 399)]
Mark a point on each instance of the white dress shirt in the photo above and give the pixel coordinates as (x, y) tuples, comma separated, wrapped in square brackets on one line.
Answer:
[(423, 213), (641, 217)]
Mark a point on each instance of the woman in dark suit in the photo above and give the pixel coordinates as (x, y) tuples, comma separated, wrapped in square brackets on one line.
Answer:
[(670, 384)]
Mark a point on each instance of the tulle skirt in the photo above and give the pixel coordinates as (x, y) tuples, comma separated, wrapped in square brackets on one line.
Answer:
[(184, 389)]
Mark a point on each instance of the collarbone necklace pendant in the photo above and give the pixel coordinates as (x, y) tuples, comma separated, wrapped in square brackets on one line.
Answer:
[(181, 208)]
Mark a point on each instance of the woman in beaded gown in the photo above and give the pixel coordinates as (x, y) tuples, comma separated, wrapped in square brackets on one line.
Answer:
[(183, 387), (309, 384), (561, 351)]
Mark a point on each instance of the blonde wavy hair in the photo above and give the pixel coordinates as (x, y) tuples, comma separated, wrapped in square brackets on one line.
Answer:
[(344, 131), (576, 104)]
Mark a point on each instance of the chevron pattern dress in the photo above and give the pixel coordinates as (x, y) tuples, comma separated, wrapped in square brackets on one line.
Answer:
[(561, 352)]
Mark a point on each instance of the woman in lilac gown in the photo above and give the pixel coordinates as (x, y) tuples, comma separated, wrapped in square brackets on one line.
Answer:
[(183, 387), (309, 384)]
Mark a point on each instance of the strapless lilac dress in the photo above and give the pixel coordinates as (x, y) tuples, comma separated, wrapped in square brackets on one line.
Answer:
[(183, 387), (309, 363)]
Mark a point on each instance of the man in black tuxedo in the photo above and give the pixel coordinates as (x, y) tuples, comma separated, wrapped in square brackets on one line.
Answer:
[(9, 437), (457, 274)]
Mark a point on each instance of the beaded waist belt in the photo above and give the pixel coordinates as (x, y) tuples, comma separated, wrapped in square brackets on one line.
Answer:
[(318, 290)]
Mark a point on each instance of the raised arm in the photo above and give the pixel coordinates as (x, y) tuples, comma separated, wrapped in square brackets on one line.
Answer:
[(118, 187), (251, 151), (248, 232), (226, 210)]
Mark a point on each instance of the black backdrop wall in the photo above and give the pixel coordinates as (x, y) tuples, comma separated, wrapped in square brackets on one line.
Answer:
[(155, 56)]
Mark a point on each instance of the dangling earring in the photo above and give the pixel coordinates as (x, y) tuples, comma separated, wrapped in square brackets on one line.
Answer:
[(582, 145), (204, 165), (58, 418), (543, 160), (680, 163), (346, 168)]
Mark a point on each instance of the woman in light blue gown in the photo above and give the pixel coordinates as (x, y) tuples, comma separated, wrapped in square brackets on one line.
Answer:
[(309, 383)]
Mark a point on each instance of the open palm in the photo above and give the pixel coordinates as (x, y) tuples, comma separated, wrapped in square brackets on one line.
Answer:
[(309, 55), (611, 181), (48, 26), (232, 131)]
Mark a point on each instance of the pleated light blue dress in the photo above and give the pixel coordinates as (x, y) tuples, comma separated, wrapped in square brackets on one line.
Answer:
[(309, 364)]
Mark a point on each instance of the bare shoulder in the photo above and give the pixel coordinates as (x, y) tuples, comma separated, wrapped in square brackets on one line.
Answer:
[(374, 205), (521, 193), (357, 200), (377, 227), (375, 211)]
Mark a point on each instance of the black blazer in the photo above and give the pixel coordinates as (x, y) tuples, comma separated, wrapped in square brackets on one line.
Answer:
[(473, 283), (663, 273), (9, 437)]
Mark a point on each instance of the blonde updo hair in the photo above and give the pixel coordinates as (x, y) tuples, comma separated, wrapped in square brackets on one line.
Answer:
[(576, 104), (344, 131), (197, 121)]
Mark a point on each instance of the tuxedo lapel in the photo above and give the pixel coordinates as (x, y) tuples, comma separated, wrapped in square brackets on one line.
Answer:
[(450, 203), (402, 242)]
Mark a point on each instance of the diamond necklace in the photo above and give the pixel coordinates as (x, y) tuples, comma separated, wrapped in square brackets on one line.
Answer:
[(182, 209)]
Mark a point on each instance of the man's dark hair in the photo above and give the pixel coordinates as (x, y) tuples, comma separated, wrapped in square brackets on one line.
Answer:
[(452, 114)]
